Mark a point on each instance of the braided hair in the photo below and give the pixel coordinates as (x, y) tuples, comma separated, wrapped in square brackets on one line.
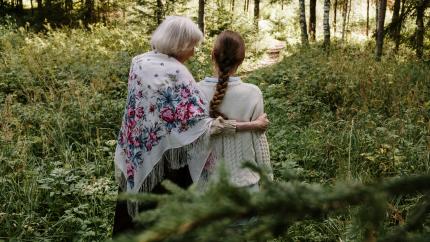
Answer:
[(228, 54)]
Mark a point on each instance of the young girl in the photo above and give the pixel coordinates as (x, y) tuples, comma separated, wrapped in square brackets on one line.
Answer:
[(233, 99)]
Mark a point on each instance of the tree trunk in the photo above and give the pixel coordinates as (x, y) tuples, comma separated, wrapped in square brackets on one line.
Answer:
[(159, 12), (348, 16), (380, 32), (349, 11), (398, 31), (107, 11), (395, 22), (335, 16), (69, 5), (97, 10), (89, 11), (367, 17), (246, 6), (69, 9), (103, 10), (312, 19), (20, 6), (32, 7), (48, 8), (232, 5), (419, 34), (376, 15), (256, 13), (326, 23), (40, 10), (304, 35), (201, 19), (344, 15)]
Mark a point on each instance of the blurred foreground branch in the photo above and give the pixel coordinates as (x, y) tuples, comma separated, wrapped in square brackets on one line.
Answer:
[(190, 216)]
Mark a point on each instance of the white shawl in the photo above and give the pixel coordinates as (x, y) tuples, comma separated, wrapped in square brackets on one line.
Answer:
[(165, 120)]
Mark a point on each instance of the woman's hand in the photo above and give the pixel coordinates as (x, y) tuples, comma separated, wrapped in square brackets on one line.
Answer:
[(260, 124)]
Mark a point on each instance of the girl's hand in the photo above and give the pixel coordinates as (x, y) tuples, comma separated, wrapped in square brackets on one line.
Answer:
[(262, 122)]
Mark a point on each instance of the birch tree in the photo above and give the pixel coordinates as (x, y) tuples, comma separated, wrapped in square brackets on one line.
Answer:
[(344, 16), (335, 15), (326, 23)]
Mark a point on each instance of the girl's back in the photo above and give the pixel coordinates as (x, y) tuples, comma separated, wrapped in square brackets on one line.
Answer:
[(242, 101), (230, 98)]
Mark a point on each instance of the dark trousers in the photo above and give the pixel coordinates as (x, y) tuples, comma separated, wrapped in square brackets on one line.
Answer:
[(123, 222)]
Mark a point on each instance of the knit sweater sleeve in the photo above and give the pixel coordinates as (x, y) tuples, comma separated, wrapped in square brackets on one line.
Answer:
[(220, 125), (261, 146), (262, 153)]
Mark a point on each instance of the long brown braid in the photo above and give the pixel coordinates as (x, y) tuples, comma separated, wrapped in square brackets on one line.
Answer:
[(228, 54)]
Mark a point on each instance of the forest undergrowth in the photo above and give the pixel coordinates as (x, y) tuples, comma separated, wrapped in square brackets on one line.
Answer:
[(335, 118)]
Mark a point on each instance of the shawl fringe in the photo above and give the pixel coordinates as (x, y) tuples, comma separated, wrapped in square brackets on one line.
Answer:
[(172, 159)]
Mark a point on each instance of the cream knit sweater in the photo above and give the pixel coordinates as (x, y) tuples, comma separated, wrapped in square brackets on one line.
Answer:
[(242, 102)]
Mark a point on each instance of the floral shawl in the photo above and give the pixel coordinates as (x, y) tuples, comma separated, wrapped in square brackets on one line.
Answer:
[(165, 124)]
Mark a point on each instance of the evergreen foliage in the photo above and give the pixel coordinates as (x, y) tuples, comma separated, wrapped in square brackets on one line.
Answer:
[(226, 213)]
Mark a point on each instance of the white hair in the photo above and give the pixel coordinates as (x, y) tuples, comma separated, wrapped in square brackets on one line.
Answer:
[(175, 35)]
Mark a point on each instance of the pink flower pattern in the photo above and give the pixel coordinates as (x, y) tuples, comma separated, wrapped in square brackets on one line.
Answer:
[(167, 114), (176, 107)]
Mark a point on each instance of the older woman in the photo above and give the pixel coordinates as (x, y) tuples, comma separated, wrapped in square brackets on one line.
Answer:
[(166, 126)]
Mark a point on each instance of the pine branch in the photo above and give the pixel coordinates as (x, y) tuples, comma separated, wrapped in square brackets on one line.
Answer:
[(421, 210), (285, 202)]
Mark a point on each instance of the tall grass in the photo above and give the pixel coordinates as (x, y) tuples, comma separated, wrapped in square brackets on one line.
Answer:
[(346, 117), (346, 106), (61, 96), (62, 93)]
